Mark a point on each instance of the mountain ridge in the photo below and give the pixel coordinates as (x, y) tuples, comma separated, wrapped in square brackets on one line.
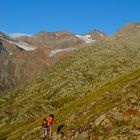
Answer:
[(56, 45)]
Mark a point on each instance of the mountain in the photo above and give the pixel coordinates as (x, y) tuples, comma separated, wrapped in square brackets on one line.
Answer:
[(129, 29), (91, 36), (95, 34), (94, 94), (25, 56), (19, 62), (52, 40)]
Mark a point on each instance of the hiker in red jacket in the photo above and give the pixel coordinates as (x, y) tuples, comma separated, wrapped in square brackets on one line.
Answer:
[(50, 122)]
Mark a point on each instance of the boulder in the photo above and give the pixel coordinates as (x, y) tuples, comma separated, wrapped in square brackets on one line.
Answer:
[(100, 119)]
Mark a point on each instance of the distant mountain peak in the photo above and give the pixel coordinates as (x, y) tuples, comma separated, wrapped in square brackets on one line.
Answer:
[(131, 28), (95, 34), (85, 38), (7, 38)]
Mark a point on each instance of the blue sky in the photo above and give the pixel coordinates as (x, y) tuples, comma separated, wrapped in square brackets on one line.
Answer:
[(77, 16)]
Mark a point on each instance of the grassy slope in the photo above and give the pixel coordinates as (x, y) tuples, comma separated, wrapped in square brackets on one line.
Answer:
[(65, 113)]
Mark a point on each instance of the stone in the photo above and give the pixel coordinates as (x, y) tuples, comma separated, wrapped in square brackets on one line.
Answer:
[(100, 119), (107, 123)]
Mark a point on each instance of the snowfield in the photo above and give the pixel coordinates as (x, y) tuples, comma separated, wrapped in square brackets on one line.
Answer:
[(20, 44), (16, 35), (25, 46), (85, 38), (55, 51)]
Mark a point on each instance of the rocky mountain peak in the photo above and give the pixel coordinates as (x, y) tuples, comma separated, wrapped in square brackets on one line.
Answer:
[(95, 34)]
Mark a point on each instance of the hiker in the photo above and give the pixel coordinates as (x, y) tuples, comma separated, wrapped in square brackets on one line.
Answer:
[(45, 128), (50, 122)]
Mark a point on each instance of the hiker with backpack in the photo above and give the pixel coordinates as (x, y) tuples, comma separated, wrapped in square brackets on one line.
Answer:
[(45, 128), (50, 122)]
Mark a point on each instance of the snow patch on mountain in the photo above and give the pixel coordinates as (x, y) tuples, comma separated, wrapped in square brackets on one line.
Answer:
[(85, 38), (20, 44), (24, 46), (16, 35), (102, 35), (55, 51)]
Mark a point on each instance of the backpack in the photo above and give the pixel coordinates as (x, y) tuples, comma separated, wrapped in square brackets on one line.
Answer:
[(44, 125)]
